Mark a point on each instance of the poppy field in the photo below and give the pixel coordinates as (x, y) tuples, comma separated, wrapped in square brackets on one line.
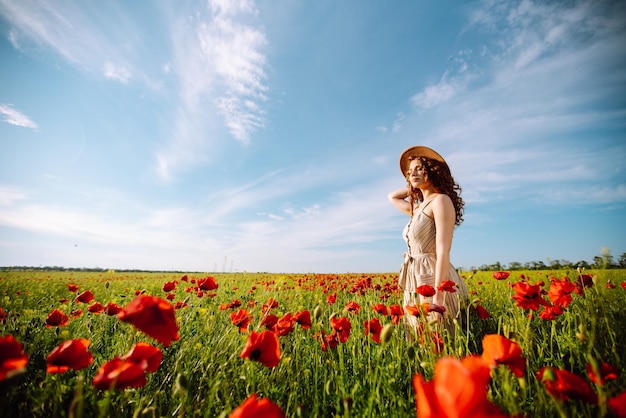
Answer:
[(529, 343)]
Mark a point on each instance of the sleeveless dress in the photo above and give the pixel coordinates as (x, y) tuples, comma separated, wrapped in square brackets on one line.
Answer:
[(419, 268)]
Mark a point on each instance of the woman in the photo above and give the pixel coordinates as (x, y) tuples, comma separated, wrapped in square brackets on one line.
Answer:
[(431, 200)]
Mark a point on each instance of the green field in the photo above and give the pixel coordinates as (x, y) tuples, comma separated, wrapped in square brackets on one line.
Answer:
[(202, 373)]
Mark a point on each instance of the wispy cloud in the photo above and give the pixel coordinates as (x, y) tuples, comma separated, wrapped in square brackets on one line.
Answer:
[(13, 116), (220, 66)]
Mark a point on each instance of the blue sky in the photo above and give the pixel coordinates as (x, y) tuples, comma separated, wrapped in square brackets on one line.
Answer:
[(264, 136)]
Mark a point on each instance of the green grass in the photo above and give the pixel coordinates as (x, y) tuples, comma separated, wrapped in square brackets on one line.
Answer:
[(202, 374)]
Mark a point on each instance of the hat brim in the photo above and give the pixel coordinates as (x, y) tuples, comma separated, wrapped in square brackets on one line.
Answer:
[(417, 151)]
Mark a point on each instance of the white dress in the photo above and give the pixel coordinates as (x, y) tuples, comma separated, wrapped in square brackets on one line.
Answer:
[(419, 267)]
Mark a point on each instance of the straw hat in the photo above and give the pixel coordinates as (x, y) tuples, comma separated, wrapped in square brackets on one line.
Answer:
[(417, 151)]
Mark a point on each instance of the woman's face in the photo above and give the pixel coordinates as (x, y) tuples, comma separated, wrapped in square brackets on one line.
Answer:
[(416, 174)]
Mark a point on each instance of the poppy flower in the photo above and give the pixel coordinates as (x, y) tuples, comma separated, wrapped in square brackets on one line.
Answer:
[(564, 385), (153, 316), (303, 318), (113, 309), (70, 354), (262, 347), (623, 284), (396, 313), (380, 308), (528, 296), (76, 313), (119, 374), (447, 286), (284, 325), (618, 405), (3, 314), (550, 313), (605, 373), (342, 326), (269, 321), (352, 307), (169, 286), (207, 283), (500, 350), (373, 327), (560, 291), (13, 360), (85, 297), (426, 290), (412, 310), (254, 407), (96, 308), (331, 299), (271, 304), (433, 307), (170, 296), (56, 318), (458, 389), (241, 319), (327, 340), (145, 355), (72, 287), (482, 312), (501, 275)]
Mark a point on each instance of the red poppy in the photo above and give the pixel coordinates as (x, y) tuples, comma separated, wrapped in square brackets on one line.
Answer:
[(119, 374), (70, 354), (56, 318), (153, 316), (170, 296), (96, 308), (564, 385), (113, 309), (254, 407), (169, 286), (482, 312), (560, 292), (13, 360), (303, 318), (500, 350), (584, 281), (605, 373), (426, 290), (180, 304), (63, 300), (208, 283), (145, 355), (284, 325), (3, 314), (342, 326), (528, 296), (458, 389), (623, 284), (241, 319), (76, 313), (447, 286), (72, 287), (618, 405), (433, 307), (501, 275), (412, 310), (269, 321), (85, 297), (550, 313), (373, 327), (396, 313), (352, 307), (262, 347), (380, 308), (331, 299), (327, 340)]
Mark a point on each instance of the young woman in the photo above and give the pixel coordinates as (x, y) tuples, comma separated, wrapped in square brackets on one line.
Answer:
[(432, 201)]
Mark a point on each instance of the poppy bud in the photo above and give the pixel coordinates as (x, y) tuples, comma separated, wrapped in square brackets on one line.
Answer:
[(411, 352), (180, 386), (385, 334), (317, 312)]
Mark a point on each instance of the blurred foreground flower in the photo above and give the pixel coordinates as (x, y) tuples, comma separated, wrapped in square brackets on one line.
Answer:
[(458, 389), (500, 350), (262, 347), (129, 371), (13, 360), (153, 316), (254, 407), (564, 385), (70, 354)]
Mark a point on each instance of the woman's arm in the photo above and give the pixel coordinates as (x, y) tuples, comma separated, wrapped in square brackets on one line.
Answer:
[(398, 199), (445, 216)]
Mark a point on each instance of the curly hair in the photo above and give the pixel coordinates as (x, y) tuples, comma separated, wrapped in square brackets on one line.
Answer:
[(441, 178)]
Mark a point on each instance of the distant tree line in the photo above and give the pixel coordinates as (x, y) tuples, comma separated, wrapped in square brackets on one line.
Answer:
[(603, 261)]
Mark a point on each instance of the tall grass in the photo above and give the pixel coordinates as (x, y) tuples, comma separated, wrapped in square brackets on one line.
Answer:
[(203, 375)]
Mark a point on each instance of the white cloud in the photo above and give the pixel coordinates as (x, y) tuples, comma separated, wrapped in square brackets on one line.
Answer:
[(14, 117), (116, 72)]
